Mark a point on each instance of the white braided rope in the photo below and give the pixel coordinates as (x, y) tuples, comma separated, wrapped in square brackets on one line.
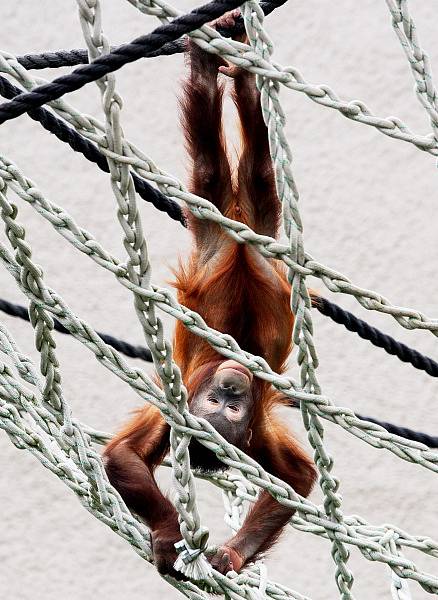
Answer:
[(419, 61), (281, 155), (191, 561)]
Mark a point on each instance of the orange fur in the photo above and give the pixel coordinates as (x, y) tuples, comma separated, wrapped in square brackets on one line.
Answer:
[(237, 292)]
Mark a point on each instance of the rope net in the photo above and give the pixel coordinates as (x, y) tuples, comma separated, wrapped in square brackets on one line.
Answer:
[(33, 409)]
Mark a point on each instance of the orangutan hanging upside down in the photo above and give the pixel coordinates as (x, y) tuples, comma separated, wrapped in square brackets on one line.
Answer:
[(239, 292)]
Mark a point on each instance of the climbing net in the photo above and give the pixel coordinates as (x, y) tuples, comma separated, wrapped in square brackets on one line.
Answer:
[(34, 411)]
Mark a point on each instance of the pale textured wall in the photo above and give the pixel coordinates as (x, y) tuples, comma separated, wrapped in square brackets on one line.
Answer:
[(369, 206)]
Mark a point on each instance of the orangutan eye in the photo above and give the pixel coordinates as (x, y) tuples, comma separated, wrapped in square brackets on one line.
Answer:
[(212, 400), (234, 408)]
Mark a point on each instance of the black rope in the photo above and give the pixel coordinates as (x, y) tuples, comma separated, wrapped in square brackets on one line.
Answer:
[(404, 432), (140, 47), (71, 58), (376, 337), (79, 56), (15, 310), (80, 144)]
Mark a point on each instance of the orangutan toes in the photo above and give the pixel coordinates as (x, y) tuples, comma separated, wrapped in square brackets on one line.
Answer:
[(226, 559), (228, 19), (165, 553)]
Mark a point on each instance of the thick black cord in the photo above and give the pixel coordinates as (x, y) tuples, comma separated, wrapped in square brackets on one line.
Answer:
[(376, 337), (143, 353), (71, 58), (101, 66), (80, 144), (404, 432), (15, 310)]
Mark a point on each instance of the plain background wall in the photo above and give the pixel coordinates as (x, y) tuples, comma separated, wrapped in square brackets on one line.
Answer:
[(369, 206)]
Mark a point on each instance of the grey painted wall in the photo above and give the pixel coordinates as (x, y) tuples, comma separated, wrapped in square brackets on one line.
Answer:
[(369, 206)]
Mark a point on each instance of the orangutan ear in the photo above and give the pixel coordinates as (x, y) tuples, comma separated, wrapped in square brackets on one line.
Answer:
[(248, 441)]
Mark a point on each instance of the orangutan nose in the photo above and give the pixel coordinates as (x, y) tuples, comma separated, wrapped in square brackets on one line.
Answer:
[(232, 381), (235, 366)]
